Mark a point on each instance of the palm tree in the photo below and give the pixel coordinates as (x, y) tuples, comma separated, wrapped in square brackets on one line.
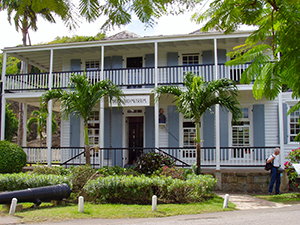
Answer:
[(40, 118), (80, 100), (197, 96)]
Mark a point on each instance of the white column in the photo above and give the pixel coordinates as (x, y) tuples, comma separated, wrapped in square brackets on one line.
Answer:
[(217, 113), (281, 129), (3, 100), (24, 141), (156, 106), (49, 119), (101, 126)]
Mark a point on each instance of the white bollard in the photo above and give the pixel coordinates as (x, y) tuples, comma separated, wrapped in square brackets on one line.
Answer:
[(154, 203), (13, 206), (80, 204), (226, 200)]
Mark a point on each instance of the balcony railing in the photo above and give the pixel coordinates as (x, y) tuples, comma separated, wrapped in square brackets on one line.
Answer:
[(184, 157), (134, 77)]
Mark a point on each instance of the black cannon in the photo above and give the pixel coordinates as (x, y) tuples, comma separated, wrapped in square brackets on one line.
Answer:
[(37, 195)]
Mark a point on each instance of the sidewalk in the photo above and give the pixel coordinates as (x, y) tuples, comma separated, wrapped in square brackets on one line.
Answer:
[(242, 202)]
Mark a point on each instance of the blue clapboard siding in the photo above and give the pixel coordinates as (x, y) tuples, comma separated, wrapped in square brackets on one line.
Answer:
[(224, 125), (208, 131), (149, 127), (173, 126), (117, 135), (106, 132)]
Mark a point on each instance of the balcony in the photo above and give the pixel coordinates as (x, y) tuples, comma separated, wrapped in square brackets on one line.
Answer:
[(128, 78)]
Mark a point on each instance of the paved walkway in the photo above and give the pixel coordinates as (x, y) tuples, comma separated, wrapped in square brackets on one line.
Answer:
[(242, 202)]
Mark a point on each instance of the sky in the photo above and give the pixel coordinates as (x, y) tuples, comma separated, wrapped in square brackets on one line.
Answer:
[(167, 25)]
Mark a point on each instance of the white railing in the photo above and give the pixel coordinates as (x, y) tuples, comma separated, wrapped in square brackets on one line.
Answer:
[(125, 77), (38, 155)]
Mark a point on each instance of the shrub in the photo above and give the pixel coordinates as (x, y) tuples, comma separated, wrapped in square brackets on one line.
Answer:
[(150, 162), (139, 190), (174, 172), (293, 157), (80, 175), (11, 123), (12, 157), (56, 170), (115, 170), (19, 181)]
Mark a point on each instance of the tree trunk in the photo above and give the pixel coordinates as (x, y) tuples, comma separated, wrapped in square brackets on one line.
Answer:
[(198, 148), (87, 146)]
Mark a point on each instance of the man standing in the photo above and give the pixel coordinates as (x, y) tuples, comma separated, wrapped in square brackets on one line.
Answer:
[(275, 176)]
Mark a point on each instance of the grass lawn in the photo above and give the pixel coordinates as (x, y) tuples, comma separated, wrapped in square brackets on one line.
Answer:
[(47, 212), (287, 198)]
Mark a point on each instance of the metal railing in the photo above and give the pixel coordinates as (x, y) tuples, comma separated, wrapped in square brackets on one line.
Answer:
[(131, 78), (184, 157)]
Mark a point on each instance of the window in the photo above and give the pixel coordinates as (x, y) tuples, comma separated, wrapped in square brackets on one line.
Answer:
[(241, 135), (294, 126), (189, 139), (93, 128), (92, 65), (190, 59)]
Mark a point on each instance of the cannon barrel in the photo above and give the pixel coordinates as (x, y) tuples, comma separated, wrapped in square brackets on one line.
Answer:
[(37, 195)]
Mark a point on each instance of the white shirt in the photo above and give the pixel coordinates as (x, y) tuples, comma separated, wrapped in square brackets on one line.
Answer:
[(276, 161)]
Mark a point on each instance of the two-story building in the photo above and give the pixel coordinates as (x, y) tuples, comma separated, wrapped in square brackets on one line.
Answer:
[(137, 65)]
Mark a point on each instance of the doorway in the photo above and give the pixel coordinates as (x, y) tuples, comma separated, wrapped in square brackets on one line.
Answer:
[(135, 138)]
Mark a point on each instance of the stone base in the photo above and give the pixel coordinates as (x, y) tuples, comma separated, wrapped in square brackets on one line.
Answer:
[(245, 180), (19, 207), (59, 202)]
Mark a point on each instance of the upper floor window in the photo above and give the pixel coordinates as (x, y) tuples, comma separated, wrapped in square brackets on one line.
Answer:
[(190, 59), (294, 126), (92, 65)]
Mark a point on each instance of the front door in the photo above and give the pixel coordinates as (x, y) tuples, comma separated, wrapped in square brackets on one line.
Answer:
[(136, 137)]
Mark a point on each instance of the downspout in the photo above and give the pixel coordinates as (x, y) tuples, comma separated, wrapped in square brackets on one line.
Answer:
[(101, 111), (156, 107), (49, 119), (217, 115), (3, 100)]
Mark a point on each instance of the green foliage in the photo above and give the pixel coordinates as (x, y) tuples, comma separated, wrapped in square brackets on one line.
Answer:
[(76, 38), (277, 32), (116, 170), (173, 171), (79, 176), (12, 157), (11, 123), (55, 170), (139, 190), (293, 157), (19, 181), (150, 162)]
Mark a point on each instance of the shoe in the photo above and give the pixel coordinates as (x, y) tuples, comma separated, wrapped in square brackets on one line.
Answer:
[(269, 193)]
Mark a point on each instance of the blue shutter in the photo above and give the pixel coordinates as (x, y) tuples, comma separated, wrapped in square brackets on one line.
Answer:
[(107, 63), (150, 64), (117, 62), (259, 125), (259, 130), (75, 122), (107, 132), (75, 64), (172, 59), (222, 58), (173, 126), (149, 127), (207, 59), (208, 131), (224, 124), (117, 135), (285, 122)]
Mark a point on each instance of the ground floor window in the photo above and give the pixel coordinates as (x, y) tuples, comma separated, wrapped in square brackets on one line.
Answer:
[(189, 139), (294, 125), (93, 128)]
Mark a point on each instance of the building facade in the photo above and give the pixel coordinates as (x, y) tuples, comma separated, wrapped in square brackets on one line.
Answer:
[(137, 65)]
